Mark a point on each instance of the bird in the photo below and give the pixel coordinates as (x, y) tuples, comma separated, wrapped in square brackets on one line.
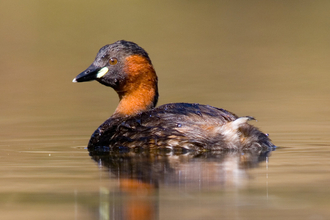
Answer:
[(138, 124)]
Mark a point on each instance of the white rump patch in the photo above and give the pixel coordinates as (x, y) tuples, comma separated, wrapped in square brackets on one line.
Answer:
[(230, 130), (238, 122)]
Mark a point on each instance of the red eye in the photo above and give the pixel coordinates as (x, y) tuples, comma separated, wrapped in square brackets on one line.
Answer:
[(113, 61)]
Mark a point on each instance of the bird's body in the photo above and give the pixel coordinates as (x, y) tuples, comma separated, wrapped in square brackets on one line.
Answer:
[(137, 123)]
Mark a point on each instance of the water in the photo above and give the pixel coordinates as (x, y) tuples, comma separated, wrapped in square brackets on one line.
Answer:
[(266, 59)]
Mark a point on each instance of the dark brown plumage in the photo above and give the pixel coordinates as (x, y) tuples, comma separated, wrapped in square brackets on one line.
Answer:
[(136, 123)]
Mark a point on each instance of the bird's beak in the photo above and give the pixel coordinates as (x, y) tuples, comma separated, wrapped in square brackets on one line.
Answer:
[(91, 73)]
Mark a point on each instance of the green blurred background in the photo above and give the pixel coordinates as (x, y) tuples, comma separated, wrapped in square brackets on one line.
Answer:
[(245, 56)]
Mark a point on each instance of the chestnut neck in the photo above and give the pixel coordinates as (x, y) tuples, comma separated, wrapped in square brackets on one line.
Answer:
[(139, 92)]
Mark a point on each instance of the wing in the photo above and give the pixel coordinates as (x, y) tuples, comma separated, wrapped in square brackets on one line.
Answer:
[(175, 125)]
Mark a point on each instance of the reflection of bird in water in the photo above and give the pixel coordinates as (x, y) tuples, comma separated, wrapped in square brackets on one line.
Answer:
[(217, 168), (140, 174), (136, 123)]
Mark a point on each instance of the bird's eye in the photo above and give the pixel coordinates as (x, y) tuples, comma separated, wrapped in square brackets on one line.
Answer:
[(113, 61)]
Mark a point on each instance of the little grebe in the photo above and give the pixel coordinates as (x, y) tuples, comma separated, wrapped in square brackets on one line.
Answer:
[(136, 122)]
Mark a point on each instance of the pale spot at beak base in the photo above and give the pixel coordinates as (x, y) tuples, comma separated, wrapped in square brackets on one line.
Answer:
[(102, 72)]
